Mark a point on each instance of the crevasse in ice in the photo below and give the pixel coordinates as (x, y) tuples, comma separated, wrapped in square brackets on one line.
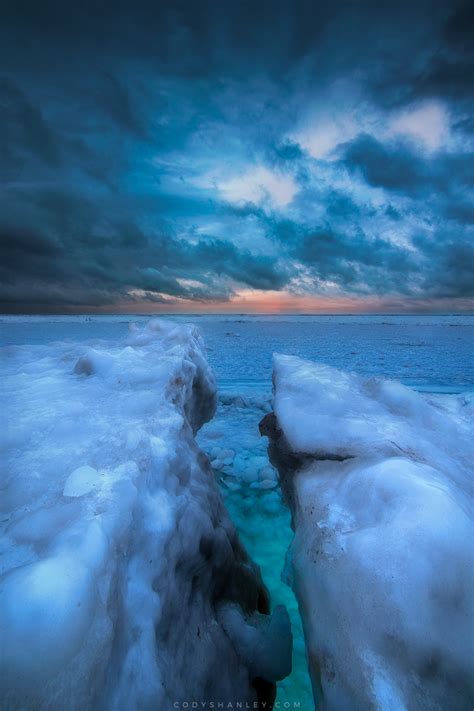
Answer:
[(123, 583), (378, 479)]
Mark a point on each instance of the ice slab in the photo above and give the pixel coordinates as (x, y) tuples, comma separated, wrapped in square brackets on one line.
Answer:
[(379, 482), (117, 551)]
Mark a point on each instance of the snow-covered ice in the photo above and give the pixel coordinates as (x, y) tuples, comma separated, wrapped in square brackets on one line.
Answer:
[(123, 582), (431, 353), (379, 482)]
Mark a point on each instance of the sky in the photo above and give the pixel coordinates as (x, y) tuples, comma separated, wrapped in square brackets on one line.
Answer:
[(236, 156)]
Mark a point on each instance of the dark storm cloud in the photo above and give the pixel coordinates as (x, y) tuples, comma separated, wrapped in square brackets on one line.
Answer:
[(25, 133), (439, 67), (397, 166), (449, 270), (125, 129), (356, 261), (349, 258), (119, 106), (99, 261), (439, 262)]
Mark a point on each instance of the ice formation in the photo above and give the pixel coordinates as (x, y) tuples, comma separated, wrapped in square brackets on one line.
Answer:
[(243, 460), (123, 583), (378, 480)]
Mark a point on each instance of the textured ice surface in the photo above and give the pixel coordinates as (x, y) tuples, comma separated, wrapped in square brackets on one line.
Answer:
[(426, 352), (378, 478), (119, 561)]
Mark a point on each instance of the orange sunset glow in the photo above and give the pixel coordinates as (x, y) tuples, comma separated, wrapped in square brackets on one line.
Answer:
[(248, 301)]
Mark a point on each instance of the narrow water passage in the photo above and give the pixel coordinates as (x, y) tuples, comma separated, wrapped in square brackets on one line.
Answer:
[(253, 499)]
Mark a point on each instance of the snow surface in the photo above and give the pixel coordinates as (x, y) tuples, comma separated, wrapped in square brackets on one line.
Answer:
[(378, 478), (123, 583)]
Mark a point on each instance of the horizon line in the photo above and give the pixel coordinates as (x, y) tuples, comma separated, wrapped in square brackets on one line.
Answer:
[(243, 313)]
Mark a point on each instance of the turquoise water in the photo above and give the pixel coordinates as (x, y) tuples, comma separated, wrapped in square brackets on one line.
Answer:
[(263, 523)]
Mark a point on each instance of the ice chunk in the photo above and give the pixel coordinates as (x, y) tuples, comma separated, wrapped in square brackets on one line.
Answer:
[(378, 479), (81, 481), (326, 412), (264, 642), (116, 547)]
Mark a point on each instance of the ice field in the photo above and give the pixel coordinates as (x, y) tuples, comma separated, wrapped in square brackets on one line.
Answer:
[(427, 353)]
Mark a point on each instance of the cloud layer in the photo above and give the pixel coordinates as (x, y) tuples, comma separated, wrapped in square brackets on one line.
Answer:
[(181, 156)]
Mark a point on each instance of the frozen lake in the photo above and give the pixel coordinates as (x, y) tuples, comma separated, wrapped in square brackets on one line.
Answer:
[(427, 352), (431, 353)]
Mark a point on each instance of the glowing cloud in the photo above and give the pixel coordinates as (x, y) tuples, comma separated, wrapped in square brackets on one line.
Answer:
[(427, 123), (258, 185)]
